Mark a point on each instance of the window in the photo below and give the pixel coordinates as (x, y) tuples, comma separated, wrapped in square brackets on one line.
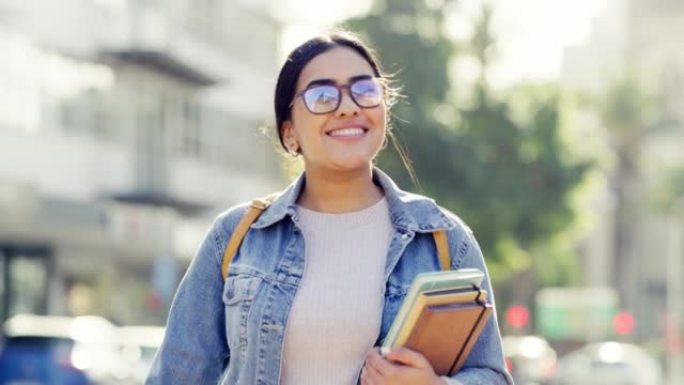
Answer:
[(191, 132), (24, 281)]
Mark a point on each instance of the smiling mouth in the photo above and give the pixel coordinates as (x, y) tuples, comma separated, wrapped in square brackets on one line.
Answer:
[(347, 132)]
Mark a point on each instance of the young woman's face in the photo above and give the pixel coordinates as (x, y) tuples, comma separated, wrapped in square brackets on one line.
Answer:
[(347, 138)]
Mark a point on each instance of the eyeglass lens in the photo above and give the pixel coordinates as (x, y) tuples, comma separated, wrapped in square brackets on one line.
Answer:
[(366, 93)]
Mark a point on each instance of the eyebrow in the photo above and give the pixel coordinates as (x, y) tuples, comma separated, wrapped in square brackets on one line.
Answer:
[(319, 82)]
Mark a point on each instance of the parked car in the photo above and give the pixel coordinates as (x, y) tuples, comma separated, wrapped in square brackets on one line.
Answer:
[(609, 363), (58, 351), (530, 359), (138, 345)]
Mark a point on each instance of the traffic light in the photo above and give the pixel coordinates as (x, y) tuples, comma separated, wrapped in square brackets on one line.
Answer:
[(517, 316), (623, 323)]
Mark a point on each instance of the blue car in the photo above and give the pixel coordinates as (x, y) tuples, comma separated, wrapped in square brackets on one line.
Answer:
[(51, 350), (40, 360)]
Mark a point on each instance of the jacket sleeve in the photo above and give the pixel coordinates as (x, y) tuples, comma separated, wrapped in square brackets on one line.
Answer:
[(485, 364), (195, 349)]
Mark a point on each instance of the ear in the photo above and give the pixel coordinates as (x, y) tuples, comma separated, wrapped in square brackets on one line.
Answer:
[(287, 131)]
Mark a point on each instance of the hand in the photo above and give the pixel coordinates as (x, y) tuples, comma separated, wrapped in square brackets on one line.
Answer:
[(400, 366)]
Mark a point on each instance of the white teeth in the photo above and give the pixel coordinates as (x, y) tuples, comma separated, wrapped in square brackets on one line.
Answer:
[(347, 132)]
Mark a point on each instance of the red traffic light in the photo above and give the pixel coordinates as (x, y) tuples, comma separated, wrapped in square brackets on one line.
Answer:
[(623, 323), (517, 316)]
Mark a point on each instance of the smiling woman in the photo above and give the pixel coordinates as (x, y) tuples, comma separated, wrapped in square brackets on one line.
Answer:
[(330, 127), (319, 276)]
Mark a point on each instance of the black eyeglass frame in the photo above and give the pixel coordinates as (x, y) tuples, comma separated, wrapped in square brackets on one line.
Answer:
[(340, 87)]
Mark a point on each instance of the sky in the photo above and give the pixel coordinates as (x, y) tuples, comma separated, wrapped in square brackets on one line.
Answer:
[(531, 33)]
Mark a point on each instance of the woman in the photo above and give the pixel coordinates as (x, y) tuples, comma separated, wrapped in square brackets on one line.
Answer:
[(320, 275)]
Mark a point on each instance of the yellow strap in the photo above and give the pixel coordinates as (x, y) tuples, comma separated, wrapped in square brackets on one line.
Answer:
[(255, 209), (442, 249)]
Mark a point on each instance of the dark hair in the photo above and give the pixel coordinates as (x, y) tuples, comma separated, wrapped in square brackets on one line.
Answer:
[(301, 56)]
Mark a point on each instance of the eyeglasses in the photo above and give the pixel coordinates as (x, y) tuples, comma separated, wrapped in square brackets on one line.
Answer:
[(321, 99)]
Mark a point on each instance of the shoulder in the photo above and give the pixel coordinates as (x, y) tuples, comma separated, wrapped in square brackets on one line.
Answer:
[(429, 217), (428, 213), (456, 223), (416, 212), (462, 242), (226, 222)]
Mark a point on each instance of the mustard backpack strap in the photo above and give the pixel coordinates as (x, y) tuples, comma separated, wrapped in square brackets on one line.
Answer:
[(253, 212), (442, 243)]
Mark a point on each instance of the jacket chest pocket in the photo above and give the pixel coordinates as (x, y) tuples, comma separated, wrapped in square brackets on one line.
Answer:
[(239, 292)]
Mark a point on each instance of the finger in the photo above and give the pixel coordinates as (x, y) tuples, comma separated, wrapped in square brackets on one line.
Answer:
[(364, 376), (370, 376), (380, 364), (408, 357)]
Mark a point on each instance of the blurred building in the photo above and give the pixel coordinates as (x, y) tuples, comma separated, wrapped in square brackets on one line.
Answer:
[(125, 127), (641, 38)]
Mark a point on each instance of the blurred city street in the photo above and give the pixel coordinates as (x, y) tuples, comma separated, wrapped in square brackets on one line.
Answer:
[(555, 131)]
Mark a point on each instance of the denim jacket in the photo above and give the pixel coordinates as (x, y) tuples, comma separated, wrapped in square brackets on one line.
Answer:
[(232, 331)]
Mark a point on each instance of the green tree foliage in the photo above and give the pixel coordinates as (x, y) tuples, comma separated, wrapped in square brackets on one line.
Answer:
[(505, 170), (673, 191)]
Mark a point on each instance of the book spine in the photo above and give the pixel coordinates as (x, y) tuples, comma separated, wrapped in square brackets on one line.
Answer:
[(401, 314)]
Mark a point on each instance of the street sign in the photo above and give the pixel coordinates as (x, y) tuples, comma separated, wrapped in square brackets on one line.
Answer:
[(578, 313)]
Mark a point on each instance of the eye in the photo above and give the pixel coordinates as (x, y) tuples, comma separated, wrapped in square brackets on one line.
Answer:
[(322, 95), (325, 98), (366, 91)]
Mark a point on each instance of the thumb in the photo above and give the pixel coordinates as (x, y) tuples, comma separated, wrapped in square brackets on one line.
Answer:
[(407, 357)]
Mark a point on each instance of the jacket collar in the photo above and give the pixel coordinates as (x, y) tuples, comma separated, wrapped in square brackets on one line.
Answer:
[(408, 212)]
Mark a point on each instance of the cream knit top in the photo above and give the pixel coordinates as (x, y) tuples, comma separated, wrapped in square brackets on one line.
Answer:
[(337, 310)]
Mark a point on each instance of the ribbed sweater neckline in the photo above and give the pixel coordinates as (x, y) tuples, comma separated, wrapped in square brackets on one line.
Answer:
[(312, 220)]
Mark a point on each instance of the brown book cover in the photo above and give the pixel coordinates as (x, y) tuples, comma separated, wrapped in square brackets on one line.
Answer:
[(423, 300), (445, 334)]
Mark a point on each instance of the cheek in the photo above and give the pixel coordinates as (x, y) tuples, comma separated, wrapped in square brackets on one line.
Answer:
[(379, 117), (306, 126)]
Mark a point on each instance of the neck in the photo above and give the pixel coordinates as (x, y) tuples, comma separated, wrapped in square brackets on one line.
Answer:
[(340, 192)]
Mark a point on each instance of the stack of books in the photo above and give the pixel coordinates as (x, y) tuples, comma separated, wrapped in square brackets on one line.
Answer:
[(441, 317)]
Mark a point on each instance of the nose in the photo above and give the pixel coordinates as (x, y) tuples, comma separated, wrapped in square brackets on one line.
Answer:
[(347, 106)]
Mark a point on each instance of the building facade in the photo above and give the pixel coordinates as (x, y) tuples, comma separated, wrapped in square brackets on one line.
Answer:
[(125, 127), (641, 39)]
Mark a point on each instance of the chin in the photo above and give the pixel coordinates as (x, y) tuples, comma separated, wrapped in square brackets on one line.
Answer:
[(351, 163)]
